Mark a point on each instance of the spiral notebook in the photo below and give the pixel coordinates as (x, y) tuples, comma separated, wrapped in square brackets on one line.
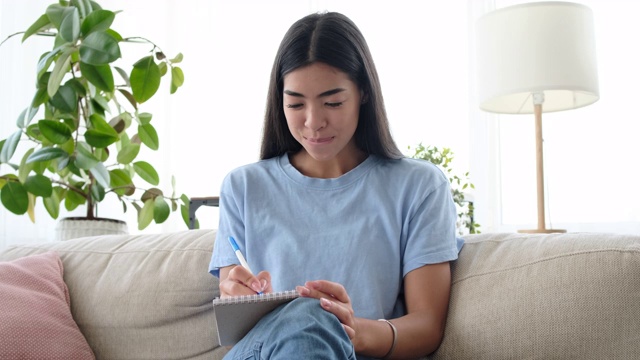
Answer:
[(235, 316)]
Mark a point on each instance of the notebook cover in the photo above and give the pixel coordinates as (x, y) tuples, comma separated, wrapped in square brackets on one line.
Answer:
[(235, 316)]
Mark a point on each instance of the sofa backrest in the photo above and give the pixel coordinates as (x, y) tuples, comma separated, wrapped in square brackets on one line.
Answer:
[(560, 296), (513, 296), (140, 296)]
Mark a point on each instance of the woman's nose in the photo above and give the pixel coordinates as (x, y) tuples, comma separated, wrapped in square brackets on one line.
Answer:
[(315, 119)]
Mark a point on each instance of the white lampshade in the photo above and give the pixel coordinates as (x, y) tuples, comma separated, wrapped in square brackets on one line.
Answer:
[(542, 47)]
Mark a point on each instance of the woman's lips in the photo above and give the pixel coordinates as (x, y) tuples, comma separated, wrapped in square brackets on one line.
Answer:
[(323, 140)]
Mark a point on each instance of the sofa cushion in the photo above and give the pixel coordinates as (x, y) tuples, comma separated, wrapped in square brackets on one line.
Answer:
[(35, 319), (140, 296), (531, 296)]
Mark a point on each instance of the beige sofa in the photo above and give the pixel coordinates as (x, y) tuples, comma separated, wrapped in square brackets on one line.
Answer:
[(514, 296)]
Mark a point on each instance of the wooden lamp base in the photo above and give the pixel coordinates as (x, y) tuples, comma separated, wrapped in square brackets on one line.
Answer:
[(542, 231), (538, 99)]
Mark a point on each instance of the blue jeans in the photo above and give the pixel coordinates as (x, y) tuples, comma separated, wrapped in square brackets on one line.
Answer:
[(299, 329)]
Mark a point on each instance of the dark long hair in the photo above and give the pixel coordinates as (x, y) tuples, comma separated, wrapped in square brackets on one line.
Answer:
[(333, 39)]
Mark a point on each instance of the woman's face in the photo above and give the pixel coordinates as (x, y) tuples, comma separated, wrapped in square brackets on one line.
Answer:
[(322, 105)]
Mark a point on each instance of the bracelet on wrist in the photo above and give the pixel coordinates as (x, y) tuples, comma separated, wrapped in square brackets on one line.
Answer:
[(395, 338)]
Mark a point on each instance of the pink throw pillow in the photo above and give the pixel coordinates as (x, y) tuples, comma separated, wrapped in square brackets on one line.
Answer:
[(35, 313)]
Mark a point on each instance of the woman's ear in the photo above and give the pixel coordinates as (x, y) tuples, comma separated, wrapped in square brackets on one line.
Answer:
[(363, 97)]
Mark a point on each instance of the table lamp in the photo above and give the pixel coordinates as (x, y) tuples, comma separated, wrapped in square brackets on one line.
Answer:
[(534, 58)]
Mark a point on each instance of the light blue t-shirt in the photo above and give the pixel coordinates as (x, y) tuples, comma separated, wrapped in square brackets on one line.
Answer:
[(365, 229)]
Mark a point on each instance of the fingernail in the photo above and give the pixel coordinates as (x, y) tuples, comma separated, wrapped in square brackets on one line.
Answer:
[(256, 286), (303, 290), (264, 284), (324, 302)]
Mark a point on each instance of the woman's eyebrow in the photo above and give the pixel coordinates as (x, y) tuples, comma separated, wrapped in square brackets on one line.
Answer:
[(326, 93)]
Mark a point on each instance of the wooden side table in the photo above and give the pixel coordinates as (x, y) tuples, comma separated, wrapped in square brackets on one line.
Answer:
[(196, 202)]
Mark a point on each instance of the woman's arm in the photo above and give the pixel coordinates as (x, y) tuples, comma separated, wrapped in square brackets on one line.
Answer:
[(418, 333)]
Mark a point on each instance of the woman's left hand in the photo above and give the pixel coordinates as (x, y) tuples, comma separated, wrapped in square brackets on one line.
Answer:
[(334, 299)]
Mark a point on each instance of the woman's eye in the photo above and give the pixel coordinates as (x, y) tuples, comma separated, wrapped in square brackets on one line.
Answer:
[(334, 105), (294, 106)]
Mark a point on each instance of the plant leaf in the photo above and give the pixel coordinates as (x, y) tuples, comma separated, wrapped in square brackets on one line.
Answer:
[(79, 4), (100, 104), (177, 59), (73, 200), (97, 192), (101, 174), (77, 86), (24, 169), (146, 172), (149, 136), (43, 23), (48, 153), (38, 185), (31, 208), (177, 79), (9, 147), (124, 76), (184, 211), (54, 131), (163, 68), (14, 197), (145, 79), (55, 13), (145, 118), (128, 153), (65, 99), (26, 116), (70, 26), (145, 215), (84, 157), (100, 134), (129, 97), (40, 97), (161, 210), (99, 20), (118, 123), (151, 194), (121, 182), (46, 59), (52, 203), (95, 5), (99, 48), (99, 75), (59, 71)]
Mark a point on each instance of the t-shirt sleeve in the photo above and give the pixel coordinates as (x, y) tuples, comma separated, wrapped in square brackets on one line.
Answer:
[(231, 224), (431, 237)]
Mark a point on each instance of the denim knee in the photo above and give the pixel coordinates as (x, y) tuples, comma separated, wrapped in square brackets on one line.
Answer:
[(299, 329)]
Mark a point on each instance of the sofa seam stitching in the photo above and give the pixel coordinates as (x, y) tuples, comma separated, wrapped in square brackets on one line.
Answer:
[(585, 252)]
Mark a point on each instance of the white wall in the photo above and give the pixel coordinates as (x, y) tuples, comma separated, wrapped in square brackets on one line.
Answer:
[(213, 123)]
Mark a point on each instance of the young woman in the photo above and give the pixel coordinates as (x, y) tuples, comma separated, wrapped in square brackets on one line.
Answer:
[(335, 211)]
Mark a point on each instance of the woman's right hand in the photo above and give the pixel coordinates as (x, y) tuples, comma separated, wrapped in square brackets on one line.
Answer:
[(235, 280)]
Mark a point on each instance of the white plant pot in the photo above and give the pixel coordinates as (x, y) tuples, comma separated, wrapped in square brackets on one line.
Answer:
[(74, 227)]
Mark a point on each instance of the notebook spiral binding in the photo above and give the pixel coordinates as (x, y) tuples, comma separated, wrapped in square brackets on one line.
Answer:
[(244, 299)]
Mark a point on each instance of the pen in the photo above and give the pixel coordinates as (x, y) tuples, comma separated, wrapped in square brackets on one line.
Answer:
[(240, 257)]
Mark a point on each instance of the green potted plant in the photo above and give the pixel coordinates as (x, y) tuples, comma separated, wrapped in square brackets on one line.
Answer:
[(443, 158), (85, 126)]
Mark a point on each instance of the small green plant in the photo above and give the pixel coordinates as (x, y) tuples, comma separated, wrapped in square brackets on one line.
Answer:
[(84, 144), (443, 157)]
